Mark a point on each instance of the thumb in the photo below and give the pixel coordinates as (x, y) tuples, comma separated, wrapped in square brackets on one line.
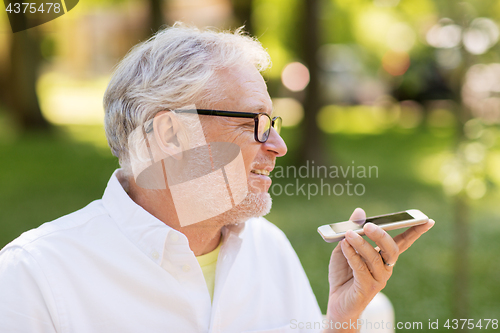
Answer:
[(358, 216)]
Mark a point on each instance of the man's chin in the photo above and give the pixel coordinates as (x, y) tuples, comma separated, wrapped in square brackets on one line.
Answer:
[(254, 205), (258, 204)]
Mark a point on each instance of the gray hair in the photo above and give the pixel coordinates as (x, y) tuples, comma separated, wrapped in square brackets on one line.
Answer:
[(174, 68)]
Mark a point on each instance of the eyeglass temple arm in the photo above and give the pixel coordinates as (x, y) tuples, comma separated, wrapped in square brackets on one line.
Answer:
[(209, 112)]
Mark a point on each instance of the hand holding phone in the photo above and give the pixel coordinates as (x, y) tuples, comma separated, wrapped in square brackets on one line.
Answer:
[(357, 270), (336, 231)]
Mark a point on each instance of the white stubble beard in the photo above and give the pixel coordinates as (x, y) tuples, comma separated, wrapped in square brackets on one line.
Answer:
[(254, 205)]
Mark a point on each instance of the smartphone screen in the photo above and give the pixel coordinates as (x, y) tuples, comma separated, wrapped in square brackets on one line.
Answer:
[(380, 220), (403, 216)]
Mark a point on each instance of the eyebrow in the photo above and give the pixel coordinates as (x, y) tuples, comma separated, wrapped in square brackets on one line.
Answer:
[(260, 108)]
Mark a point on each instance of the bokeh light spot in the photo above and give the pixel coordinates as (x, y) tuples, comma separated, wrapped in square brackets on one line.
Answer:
[(480, 36), (330, 119), (411, 114), (476, 188), (295, 76), (474, 152), (396, 63), (449, 58), (401, 37), (473, 128), (359, 119), (441, 118), (386, 3), (289, 109), (65, 100), (453, 180), (444, 34)]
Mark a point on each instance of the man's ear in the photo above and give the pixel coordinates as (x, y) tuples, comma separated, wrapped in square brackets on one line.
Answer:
[(167, 131)]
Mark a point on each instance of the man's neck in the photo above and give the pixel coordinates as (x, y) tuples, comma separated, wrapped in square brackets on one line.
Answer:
[(202, 240), (203, 237)]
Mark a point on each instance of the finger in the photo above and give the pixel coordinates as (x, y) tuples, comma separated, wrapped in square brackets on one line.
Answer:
[(339, 270), (407, 238), (358, 216), (359, 269), (389, 250), (337, 259), (371, 257)]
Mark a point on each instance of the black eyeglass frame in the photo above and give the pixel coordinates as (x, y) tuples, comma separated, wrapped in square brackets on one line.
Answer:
[(236, 114)]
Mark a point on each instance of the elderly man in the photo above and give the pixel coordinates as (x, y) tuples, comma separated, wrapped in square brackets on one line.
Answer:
[(178, 242)]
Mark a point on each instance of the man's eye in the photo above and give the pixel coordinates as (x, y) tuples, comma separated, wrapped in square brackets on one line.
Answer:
[(248, 125)]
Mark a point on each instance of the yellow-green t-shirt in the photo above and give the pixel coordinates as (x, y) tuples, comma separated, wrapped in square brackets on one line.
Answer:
[(208, 262)]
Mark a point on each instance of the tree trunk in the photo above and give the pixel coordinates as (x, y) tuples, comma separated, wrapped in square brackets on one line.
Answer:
[(243, 13), (25, 60), (155, 16), (461, 250), (461, 228), (312, 148), (461, 289)]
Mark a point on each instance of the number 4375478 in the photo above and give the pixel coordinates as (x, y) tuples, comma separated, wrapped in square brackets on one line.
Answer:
[(27, 7), (471, 324)]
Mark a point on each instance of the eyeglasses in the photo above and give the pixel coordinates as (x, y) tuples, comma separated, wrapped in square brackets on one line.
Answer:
[(263, 121)]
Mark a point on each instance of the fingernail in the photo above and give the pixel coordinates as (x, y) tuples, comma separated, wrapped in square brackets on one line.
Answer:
[(351, 234), (370, 227)]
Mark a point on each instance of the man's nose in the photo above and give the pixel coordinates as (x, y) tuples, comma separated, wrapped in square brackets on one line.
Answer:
[(275, 143)]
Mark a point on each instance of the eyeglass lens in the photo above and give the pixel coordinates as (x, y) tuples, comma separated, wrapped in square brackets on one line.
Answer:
[(277, 124), (264, 127)]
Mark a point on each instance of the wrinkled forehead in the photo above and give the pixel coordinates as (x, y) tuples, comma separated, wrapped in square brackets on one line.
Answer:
[(242, 88)]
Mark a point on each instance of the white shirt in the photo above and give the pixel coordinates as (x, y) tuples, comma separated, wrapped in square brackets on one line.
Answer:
[(113, 267)]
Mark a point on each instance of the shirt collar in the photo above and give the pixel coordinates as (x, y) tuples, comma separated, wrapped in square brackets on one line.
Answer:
[(148, 233), (234, 229), (143, 229)]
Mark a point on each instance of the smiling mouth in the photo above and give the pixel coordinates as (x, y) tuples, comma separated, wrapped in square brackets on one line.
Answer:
[(261, 172)]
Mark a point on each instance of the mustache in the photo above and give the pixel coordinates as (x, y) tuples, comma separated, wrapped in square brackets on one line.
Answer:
[(263, 162)]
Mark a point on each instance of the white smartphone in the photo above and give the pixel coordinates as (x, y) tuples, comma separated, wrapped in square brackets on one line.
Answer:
[(336, 231)]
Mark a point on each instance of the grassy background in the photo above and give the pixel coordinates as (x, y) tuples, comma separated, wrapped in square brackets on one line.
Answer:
[(45, 176)]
